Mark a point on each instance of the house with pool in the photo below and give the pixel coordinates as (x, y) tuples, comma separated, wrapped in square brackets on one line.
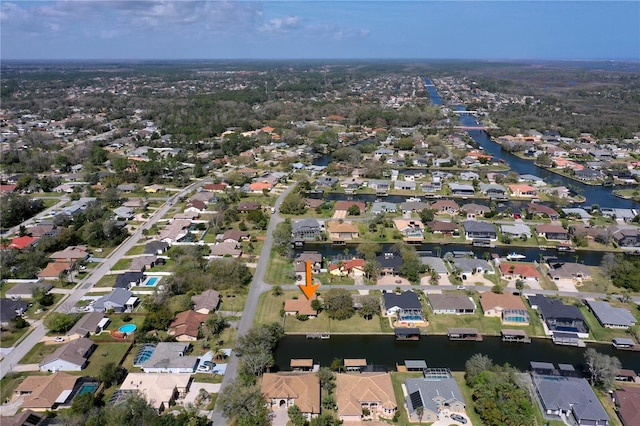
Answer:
[(406, 307)]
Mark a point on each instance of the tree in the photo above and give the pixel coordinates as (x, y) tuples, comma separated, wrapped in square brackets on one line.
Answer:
[(316, 305), (338, 304), (324, 419), (427, 215), (282, 238), (369, 250), (371, 268), (519, 284), (215, 324), (58, 322), (336, 365), (475, 365), (255, 363), (602, 368), (370, 306), (295, 416), (228, 273), (327, 379), (243, 404), (420, 413), (111, 374), (276, 290), (608, 263), (42, 297), (354, 210)]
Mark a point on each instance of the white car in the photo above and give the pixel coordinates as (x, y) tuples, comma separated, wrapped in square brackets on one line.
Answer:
[(460, 287), (58, 339)]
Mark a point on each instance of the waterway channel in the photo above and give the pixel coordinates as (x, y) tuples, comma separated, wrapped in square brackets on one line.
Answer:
[(437, 351)]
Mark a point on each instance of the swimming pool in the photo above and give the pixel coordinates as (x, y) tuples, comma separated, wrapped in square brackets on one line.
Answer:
[(152, 281), (87, 388), (127, 328)]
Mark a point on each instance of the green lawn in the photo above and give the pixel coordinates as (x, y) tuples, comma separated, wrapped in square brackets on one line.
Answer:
[(279, 271), (206, 378), (233, 301), (9, 338), (269, 307), (122, 264), (107, 281), (39, 352), (323, 324), (607, 403), (104, 354), (135, 250)]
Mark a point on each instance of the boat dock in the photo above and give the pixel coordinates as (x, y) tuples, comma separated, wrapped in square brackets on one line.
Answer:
[(407, 333), (518, 336), (470, 334), (318, 336), (625, 344), (567, 339)]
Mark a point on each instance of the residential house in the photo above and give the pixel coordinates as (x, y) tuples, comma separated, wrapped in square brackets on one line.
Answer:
[(413, 207), (128, 280), (462, 189), (120, 300), (71, 254), (127, 187), (474, 210), (358, 391), (493, 190), (559, 317), (506, 306), (10, 309), (476, 229), (519, 270), (570, 397), (390, 263), (627, 402), (451, 229), (405, 185), (445, 207), (469, 175), (195, 206), (411, 229), (186, 326), (300, 262), (341, 231), (569, 273), (156, 247), (25, 418), (542, 210), (206, 302), (159, 390), (43, 230), (20, 243), (626, 236), (523, 191), (352, 268), (552, 232), (71, 356), (625, 214), (225, 249), (383, 207), (517, 230), (24, 290), (433, 396), (90, 324), (326, 182), (470, 266), (123, 213), (343, 205), (448, 303), (144, 262), (307, 229), (215, 187), (611, 317), (406, 307), (288, 389), (175, 231), (260, 187), (170, 357), (299, 307), (49, 392), (382, 187), (247, 206), (78, 206), (435, 264), (588, 175), (54, 270), (235, 235)]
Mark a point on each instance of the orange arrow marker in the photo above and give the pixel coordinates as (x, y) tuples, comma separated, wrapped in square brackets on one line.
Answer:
[(309, 288)]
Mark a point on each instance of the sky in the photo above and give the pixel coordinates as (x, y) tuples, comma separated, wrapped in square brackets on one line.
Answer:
[(300, 29)]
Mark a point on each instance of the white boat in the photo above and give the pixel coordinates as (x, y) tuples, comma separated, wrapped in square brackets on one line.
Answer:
[(516, 256), (414, 200)]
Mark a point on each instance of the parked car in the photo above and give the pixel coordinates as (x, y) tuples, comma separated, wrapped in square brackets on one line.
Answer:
[(58, 339), (203, 367), (459, 418), (460, 287)]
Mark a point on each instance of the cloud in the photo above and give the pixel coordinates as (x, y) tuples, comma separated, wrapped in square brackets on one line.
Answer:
[(286, 24)]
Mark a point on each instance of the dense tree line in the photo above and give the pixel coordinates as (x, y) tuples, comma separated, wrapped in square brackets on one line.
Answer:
[(17, 208)]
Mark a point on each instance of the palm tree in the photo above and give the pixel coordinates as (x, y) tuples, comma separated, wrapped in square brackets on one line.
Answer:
[(219, 354), (420, 413), (276, 290)]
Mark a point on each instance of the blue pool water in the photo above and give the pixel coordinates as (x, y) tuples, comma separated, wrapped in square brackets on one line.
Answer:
[(127, 328), (87, 388), (152, 281), (412, 318)]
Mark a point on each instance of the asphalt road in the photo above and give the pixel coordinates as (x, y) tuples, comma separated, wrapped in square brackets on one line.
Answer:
[(258, 286), (85, 285)]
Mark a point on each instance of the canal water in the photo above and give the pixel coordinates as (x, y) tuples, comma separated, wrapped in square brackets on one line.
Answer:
[(337, 253), (437, 351)]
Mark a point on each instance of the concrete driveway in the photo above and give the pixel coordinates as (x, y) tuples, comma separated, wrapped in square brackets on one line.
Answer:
[(279, 416), (392, 280)]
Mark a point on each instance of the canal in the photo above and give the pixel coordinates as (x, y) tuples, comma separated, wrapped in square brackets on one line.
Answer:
[(437, 351)]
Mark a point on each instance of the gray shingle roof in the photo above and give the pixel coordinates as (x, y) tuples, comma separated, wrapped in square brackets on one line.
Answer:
[(571, 394), (607, 314), (431, 390)]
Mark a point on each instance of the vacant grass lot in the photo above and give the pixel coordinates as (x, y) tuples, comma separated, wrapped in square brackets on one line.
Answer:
[(135, 250), (9, 338), (103, 354), (107, 281), (38, 353), (323, 324), (232, 301), (269, 307), (280, 270)]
